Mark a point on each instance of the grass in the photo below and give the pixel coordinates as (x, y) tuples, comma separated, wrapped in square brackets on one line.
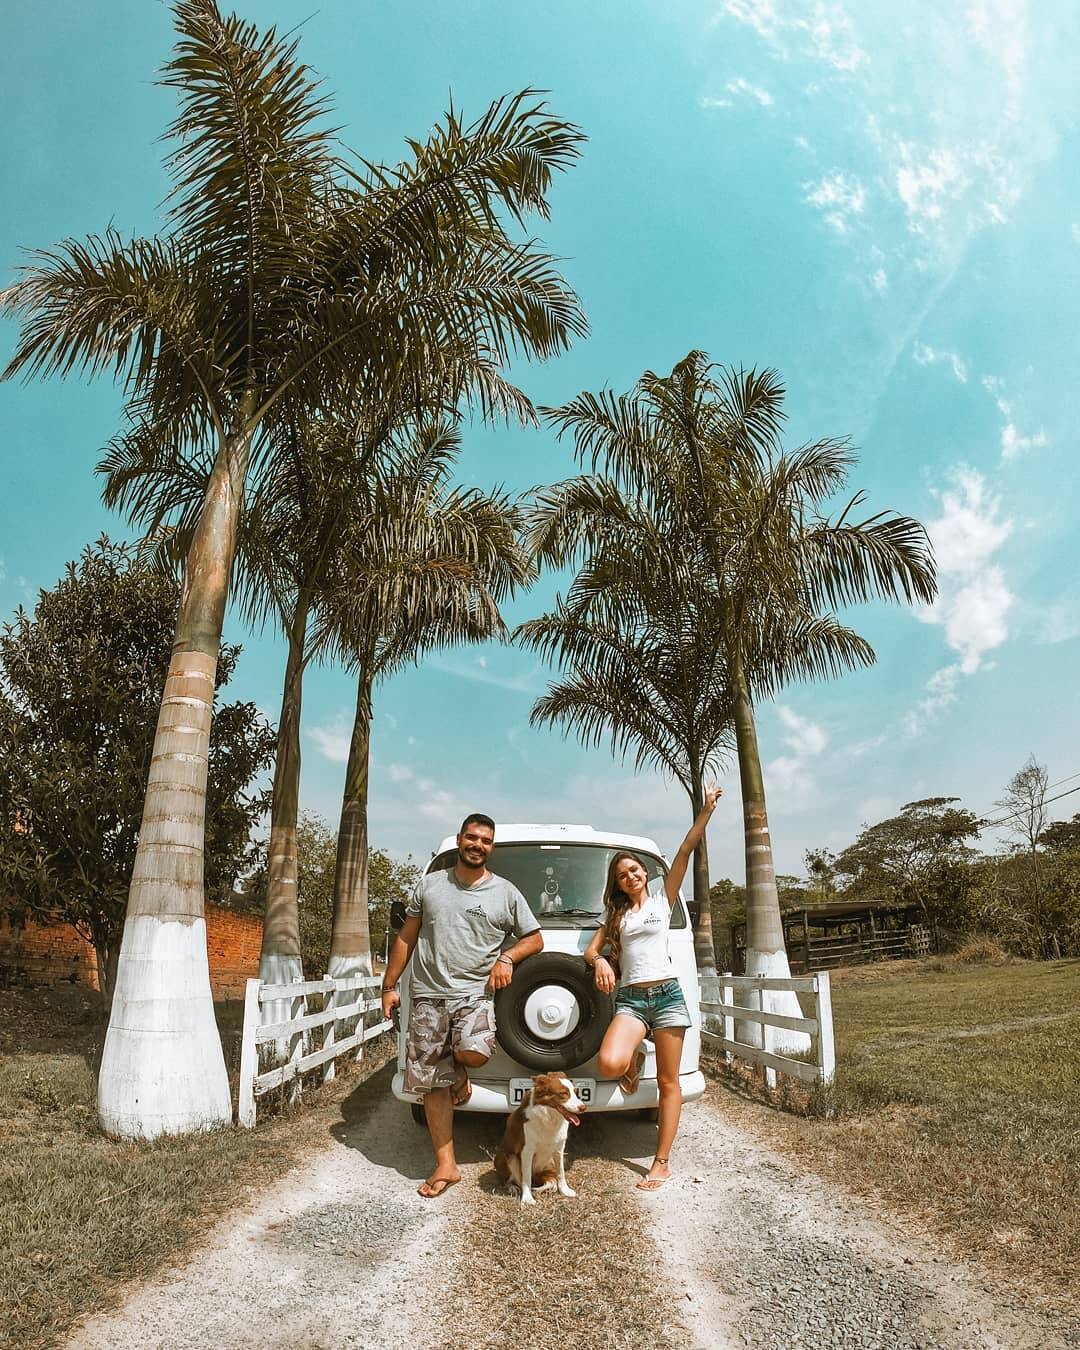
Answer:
[(81, 1214), (956, 1100)]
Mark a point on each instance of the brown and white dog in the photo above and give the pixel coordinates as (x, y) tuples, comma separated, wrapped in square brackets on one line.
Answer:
[(533, 1148)]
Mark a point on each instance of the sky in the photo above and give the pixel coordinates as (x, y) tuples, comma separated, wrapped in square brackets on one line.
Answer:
[(884, 209)]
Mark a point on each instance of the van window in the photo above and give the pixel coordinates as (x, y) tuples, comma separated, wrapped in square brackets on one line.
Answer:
[(564, 883)]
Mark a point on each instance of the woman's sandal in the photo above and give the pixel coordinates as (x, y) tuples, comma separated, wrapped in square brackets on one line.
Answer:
[(631, 1079), (648, 1183)]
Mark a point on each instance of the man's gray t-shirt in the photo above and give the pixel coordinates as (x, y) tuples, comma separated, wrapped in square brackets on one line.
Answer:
[(462, 930)]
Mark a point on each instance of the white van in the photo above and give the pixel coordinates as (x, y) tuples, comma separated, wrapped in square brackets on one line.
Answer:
[(551, 1015)]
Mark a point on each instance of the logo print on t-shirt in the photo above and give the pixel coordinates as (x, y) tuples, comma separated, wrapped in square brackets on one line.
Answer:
[(478, 911)]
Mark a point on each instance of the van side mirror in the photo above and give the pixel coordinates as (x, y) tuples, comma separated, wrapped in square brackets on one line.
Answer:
[(695, 913), (397, 914)]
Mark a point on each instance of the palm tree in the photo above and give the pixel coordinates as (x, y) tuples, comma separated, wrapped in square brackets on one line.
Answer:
[(288, 278), (699, 452), (643, 669), (425, 567)]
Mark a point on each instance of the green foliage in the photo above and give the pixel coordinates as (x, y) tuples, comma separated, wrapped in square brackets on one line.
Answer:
[(81, 684), (316, 854), (1063, 836), (912, 856)]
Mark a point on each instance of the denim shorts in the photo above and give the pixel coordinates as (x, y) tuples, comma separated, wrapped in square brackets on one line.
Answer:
[(659, 1006)]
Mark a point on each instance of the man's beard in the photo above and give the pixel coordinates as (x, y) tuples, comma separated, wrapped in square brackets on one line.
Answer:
[(473, 856)]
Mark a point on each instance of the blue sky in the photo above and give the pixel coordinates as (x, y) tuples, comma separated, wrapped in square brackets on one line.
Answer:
[(884, 208)]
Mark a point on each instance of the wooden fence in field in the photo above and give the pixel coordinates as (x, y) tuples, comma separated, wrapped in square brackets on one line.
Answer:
[(342, 998), (718, 1003)]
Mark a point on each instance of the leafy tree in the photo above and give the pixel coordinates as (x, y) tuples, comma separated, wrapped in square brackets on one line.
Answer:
[(422, 565), (696, 456), (80, 683), (821, 874), (1062, 836), (643, 669), (316, 854), (1024, 808), (909, 856), (290, 275)]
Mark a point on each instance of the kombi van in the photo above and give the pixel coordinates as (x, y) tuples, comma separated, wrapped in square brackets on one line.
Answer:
[(551, 1015)]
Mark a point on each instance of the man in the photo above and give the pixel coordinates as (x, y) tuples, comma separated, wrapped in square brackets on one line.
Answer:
[(457, 922)]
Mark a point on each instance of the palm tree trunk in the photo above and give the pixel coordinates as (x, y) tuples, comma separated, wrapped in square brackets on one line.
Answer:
[(162, 1069), (350, 939), (766, 953), (704, 951), (280, 960)]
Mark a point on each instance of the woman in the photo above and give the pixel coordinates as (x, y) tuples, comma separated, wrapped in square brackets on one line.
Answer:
[(650, 999)]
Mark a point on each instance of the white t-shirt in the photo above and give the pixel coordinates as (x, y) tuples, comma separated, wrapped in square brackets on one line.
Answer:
[(644, 948)]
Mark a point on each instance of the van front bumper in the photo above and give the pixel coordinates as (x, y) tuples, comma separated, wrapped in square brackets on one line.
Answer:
[(493, 1096)]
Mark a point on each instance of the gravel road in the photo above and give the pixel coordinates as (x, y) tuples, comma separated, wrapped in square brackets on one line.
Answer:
[(748, 1250)]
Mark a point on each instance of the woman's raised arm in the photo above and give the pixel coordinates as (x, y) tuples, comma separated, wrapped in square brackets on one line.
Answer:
[(681, 860)]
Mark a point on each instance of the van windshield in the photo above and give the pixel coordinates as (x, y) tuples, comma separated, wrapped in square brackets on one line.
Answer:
[(564, 883)]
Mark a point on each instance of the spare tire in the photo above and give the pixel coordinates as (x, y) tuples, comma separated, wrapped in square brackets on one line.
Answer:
[(551, 1015)]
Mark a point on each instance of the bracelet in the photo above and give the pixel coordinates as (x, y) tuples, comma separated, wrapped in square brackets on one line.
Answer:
[(504, 957), (389, 989)]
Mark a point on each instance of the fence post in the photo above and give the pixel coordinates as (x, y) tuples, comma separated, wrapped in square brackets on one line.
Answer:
[(727, 995), (249, 1056), (826, 1047), (763, 1040), (297, 1006), (329, 1033)]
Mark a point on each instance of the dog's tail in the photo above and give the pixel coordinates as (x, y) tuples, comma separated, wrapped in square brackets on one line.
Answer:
[(545, 1177), (502, 1166)]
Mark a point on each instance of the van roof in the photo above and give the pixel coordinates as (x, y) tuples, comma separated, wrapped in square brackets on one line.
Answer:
[(563, 834)]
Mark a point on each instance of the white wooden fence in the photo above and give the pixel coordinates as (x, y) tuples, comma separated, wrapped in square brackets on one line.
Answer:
[(718, 1001), (344, 998)]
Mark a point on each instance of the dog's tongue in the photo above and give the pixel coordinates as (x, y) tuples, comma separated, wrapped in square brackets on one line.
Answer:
[(574, 1120)]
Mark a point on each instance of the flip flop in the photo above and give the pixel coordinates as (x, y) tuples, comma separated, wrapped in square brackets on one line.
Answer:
[(443, 1183), (464, 1086), (633, 1076), (652, 1183)]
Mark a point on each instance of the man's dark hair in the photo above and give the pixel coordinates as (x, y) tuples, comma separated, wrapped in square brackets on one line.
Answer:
[(477, 818)]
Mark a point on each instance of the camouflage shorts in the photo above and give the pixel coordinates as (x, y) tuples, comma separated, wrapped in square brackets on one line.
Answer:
[(438, 1027)]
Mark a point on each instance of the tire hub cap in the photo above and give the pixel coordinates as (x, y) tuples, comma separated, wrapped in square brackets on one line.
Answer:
[(551, 1012)]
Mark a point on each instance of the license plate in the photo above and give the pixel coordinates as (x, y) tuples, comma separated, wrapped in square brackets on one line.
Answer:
[(584, 1087)]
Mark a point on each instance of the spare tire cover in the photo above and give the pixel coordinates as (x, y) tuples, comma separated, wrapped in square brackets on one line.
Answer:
[(567, 973)]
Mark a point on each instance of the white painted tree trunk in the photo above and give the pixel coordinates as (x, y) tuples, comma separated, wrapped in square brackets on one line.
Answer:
[(785, 1001), (279, 968), (162, 1069)]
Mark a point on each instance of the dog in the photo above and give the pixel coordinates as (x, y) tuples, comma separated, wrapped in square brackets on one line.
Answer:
[(533, 1148)]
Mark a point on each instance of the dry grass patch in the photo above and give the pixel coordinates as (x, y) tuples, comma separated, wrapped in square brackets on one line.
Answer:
[(578, 1272), (83, 1214), (956, 1101)]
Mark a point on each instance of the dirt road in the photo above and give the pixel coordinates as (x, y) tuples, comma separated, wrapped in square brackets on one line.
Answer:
[(742, 1248)]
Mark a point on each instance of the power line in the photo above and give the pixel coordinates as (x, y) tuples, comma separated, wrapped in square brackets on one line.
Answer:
[(1014, 815)]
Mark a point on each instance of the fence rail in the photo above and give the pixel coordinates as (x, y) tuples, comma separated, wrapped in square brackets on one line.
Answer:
[(718, 1001), (294, 1031)]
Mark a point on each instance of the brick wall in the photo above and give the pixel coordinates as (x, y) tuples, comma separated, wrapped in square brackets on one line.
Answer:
[(53, 953)]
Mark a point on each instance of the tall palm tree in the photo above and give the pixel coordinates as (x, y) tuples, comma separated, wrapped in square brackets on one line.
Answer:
[(699, 452), (644, 670), (426, 567), (288, 276)]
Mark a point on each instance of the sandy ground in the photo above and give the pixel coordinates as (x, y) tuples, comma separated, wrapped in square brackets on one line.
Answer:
[(751, 1249)]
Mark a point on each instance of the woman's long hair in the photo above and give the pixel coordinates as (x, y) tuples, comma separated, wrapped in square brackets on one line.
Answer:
[(616, 903)]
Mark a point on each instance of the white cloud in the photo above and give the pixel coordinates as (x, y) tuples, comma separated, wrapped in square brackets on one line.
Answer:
[(333, 740), (880, 281), (399, 773), (738, 88), (839, 197), (758, 14), (789, 784), (924, 355), (1013, 444), (973, 600), (804, 737), (995, 387), (823, 31), (1060, 623), (940, 692), (1074, 230)]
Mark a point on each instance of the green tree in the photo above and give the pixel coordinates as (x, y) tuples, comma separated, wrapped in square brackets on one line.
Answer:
[(642, 669), (1062, 836), (81, 682), (696, 456), (908, 856), (423, 565), (290, 275)]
